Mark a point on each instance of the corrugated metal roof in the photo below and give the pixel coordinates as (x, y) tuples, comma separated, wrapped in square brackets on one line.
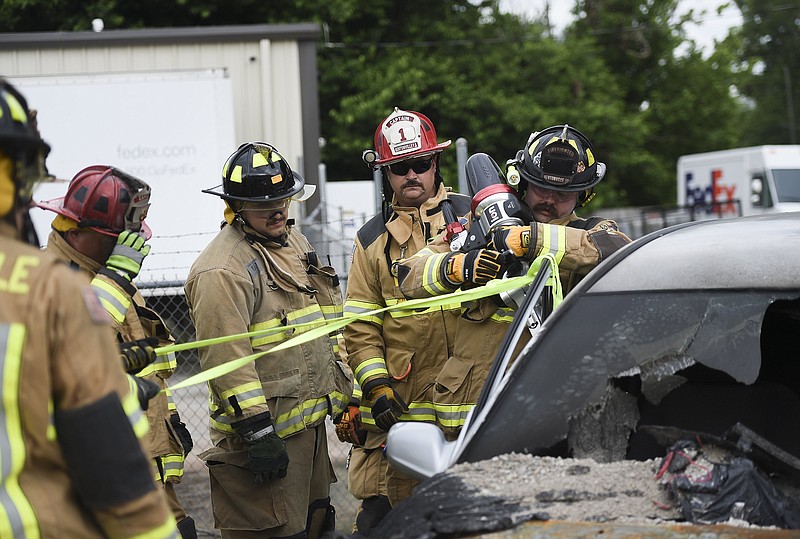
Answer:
[(194, 34)]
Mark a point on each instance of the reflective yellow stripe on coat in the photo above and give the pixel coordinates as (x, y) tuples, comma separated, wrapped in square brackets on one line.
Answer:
[(354, 307), (166, 363), (554, 240), (372, 368), (17, 518), (112, 299)]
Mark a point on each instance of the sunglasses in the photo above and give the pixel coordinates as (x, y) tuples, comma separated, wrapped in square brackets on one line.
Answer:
[(419, 166)]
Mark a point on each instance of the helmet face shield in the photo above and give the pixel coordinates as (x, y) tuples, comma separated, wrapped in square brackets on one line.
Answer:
[(137, 209), (30, 170), (558, 169), (22, 146)]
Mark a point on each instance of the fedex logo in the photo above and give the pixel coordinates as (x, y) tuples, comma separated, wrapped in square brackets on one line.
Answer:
[(716, 196)]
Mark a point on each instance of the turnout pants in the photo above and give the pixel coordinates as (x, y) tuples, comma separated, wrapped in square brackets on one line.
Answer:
[(279, 508)]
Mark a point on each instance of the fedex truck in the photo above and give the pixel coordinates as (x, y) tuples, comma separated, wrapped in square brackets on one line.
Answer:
[(741, 181)]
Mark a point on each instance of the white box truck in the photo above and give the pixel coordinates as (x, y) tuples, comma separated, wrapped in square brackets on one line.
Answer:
[(741, 181)]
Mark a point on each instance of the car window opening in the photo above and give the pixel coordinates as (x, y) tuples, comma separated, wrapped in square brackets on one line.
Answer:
[(687, 396)]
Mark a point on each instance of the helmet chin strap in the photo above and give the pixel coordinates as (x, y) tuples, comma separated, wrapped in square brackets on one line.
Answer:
[(27, 230), (585, 197), (13, 209)]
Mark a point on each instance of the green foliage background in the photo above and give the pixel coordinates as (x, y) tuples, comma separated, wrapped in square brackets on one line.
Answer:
[(623, 73)]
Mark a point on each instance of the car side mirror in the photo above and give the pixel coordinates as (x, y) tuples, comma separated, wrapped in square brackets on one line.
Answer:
[(418, 449)]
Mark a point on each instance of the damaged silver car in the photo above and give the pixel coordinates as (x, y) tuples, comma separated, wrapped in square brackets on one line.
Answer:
[(690, 333)]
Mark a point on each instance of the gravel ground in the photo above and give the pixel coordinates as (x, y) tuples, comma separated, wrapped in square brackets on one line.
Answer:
[(621, 498), (507, 489), (565, 489), (573, 489)]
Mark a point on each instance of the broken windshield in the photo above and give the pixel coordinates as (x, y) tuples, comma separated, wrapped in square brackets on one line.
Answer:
[(604, 336)]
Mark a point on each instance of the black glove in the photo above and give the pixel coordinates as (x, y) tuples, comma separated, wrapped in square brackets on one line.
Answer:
[(183, 433), (387, 406), (145, 390), (478, 266), (268, 457), (136, 355)]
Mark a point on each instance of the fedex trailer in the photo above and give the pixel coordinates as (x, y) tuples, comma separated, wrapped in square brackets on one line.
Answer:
[(741, 181)]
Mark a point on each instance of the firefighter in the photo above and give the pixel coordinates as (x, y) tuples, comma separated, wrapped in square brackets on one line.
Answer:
[(395, 357), (70, 423), (560, 172), (99, 230), (269, 468)]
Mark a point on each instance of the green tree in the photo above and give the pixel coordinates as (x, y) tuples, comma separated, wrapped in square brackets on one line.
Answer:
[(441, 61), (76, 15), (683, 102), (481, 75), (637, 37), (489, 77), (692, 110), (770, 49)]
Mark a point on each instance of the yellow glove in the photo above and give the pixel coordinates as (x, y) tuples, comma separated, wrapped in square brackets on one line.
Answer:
[(348, 426), (127, 256), (517, 239), (387, 406), (478, 267)]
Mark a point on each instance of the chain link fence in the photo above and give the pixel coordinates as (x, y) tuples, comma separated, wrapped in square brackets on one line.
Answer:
[(640, 221)]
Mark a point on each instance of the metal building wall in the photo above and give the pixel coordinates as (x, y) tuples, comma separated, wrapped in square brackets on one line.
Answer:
[(274, 90)]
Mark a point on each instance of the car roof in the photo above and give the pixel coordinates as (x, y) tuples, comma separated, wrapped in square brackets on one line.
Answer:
[(752, 252), (708, 265)]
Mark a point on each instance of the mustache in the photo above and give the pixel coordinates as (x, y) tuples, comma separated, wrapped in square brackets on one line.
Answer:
[(544, 208), (276, 216), (412, 183)]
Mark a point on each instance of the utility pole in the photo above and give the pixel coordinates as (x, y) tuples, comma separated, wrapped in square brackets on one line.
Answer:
[(787, 81), (461, 159)]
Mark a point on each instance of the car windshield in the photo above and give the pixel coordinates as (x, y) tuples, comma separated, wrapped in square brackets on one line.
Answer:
[(646, 340), (787, 183)]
